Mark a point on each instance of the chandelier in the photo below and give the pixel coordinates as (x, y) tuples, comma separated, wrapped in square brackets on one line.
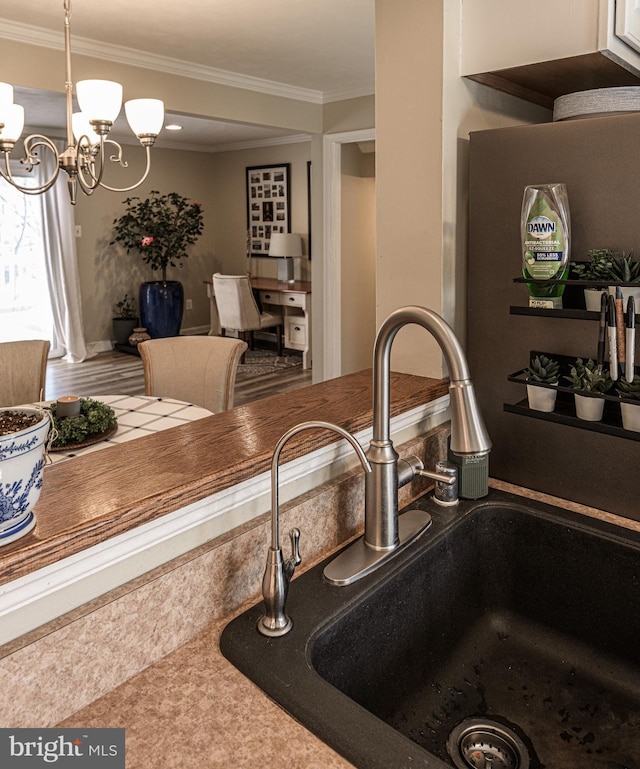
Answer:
[(84, 159)]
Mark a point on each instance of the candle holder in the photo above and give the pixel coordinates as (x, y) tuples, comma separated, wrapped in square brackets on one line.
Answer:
[(68, 406)]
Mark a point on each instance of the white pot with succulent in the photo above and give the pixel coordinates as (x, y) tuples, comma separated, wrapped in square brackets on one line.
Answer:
[(23, 436), (542, 382), (625, 269), (590, 382), (629, 393), (597, 269)]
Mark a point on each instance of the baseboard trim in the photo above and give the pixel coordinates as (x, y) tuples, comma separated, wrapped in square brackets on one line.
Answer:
[(106, 345)]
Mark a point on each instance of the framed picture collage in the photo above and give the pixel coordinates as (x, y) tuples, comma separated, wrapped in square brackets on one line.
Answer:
[(268, 205)]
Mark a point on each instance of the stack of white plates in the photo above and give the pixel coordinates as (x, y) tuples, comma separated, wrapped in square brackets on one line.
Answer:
[(597, 102)]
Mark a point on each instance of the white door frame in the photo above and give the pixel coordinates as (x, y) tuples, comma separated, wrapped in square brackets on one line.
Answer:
[(332, 204)]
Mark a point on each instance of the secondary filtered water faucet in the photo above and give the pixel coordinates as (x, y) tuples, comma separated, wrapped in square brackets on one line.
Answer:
[(278, 572), (385, 531)]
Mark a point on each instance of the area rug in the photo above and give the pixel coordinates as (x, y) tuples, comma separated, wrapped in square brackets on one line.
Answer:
[(258, 362)]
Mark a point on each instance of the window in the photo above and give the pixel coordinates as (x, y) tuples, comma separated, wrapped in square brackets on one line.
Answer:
[(25, 307)]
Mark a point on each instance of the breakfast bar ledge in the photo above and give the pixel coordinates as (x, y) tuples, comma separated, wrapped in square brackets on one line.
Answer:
[(110, 516)]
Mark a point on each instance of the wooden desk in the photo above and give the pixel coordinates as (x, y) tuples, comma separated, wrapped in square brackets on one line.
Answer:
[(293, 300)]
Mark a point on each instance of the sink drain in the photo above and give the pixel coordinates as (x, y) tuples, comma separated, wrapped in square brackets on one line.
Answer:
[(483, 744)]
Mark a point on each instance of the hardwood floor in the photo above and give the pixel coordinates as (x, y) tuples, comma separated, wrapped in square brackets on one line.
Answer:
[(115, 372)]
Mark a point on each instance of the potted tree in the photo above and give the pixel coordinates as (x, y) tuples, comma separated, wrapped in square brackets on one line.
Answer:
[(125, 319), (23, 436), (542, 371), (589, 381), (629, 393), (160, 228)]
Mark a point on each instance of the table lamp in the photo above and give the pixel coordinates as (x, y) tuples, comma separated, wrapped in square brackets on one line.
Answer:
[(287, 245)]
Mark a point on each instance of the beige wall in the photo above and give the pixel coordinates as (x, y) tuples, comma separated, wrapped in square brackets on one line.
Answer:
[(409, 66), (217, 181), (349, 115), (357, 263), (424, 112), (230, 213), (107, 272), (36, 67)]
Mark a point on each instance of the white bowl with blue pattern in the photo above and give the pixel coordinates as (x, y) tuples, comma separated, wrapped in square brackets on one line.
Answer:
[(22, 457)]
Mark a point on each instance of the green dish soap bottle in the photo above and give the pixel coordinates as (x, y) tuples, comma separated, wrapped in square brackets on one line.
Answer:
[(546, 232)]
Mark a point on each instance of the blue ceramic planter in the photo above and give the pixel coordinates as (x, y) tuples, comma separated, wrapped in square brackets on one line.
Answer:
[(161, 306)]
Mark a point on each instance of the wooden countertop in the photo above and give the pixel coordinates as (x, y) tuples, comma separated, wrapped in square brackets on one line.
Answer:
[(89, 499)]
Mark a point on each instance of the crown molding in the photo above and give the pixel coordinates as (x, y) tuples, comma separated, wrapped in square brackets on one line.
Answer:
[(258, 143), (162, 144), (27, 33), (353, 93)]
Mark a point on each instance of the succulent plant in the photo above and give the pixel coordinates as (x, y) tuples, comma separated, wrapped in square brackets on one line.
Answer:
[(625, 268), (543, 369), (629, 390), (599, 265), (586, 377)]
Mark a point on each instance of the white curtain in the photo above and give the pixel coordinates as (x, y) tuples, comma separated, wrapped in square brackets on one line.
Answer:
[(62, 264)]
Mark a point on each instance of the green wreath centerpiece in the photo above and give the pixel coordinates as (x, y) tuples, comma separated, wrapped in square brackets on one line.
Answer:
[(94, 419)]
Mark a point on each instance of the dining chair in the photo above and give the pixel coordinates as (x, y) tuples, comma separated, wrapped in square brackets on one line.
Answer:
[(23, 367), (196, 369), (238, 310)]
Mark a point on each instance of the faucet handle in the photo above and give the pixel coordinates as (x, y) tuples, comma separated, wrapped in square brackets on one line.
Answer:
[(446, 486), (295, 560)]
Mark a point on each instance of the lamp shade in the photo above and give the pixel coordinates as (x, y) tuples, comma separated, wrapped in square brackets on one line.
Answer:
[(285, 244), (82, 127), (99, 99), (13, 119), (6, 98), (145, 116)]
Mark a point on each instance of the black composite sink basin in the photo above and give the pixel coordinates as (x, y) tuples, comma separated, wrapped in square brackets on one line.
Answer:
[(508, 635)]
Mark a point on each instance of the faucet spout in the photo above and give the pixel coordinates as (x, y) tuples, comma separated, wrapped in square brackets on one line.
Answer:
[(384, 530), (470, 434), (278, 572)]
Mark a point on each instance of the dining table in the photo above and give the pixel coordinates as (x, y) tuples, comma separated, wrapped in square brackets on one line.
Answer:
[(137, 416)]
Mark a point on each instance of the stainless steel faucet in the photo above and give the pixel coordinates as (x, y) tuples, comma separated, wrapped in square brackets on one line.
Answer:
[(385, 531), (278, 572)]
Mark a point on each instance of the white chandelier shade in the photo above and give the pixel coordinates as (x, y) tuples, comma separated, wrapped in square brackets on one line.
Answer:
[(82, 127), (6, 96), (13, 118), (100, 100), (84, 159), (145, 116)]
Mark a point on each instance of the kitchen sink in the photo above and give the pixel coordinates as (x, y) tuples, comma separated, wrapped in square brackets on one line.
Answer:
[(507, 635)]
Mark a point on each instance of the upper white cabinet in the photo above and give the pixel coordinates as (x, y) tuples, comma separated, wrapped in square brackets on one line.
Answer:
[(544, 50)]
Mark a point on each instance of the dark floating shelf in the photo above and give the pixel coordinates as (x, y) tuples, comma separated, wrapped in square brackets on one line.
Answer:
[(577, 282), (573, 299), (564, 414), (570, 313)]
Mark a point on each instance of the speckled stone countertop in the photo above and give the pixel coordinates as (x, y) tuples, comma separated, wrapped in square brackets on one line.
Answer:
[(194, 709)]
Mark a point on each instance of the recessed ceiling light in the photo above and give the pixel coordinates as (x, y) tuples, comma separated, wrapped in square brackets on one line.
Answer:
[(173, 127)]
